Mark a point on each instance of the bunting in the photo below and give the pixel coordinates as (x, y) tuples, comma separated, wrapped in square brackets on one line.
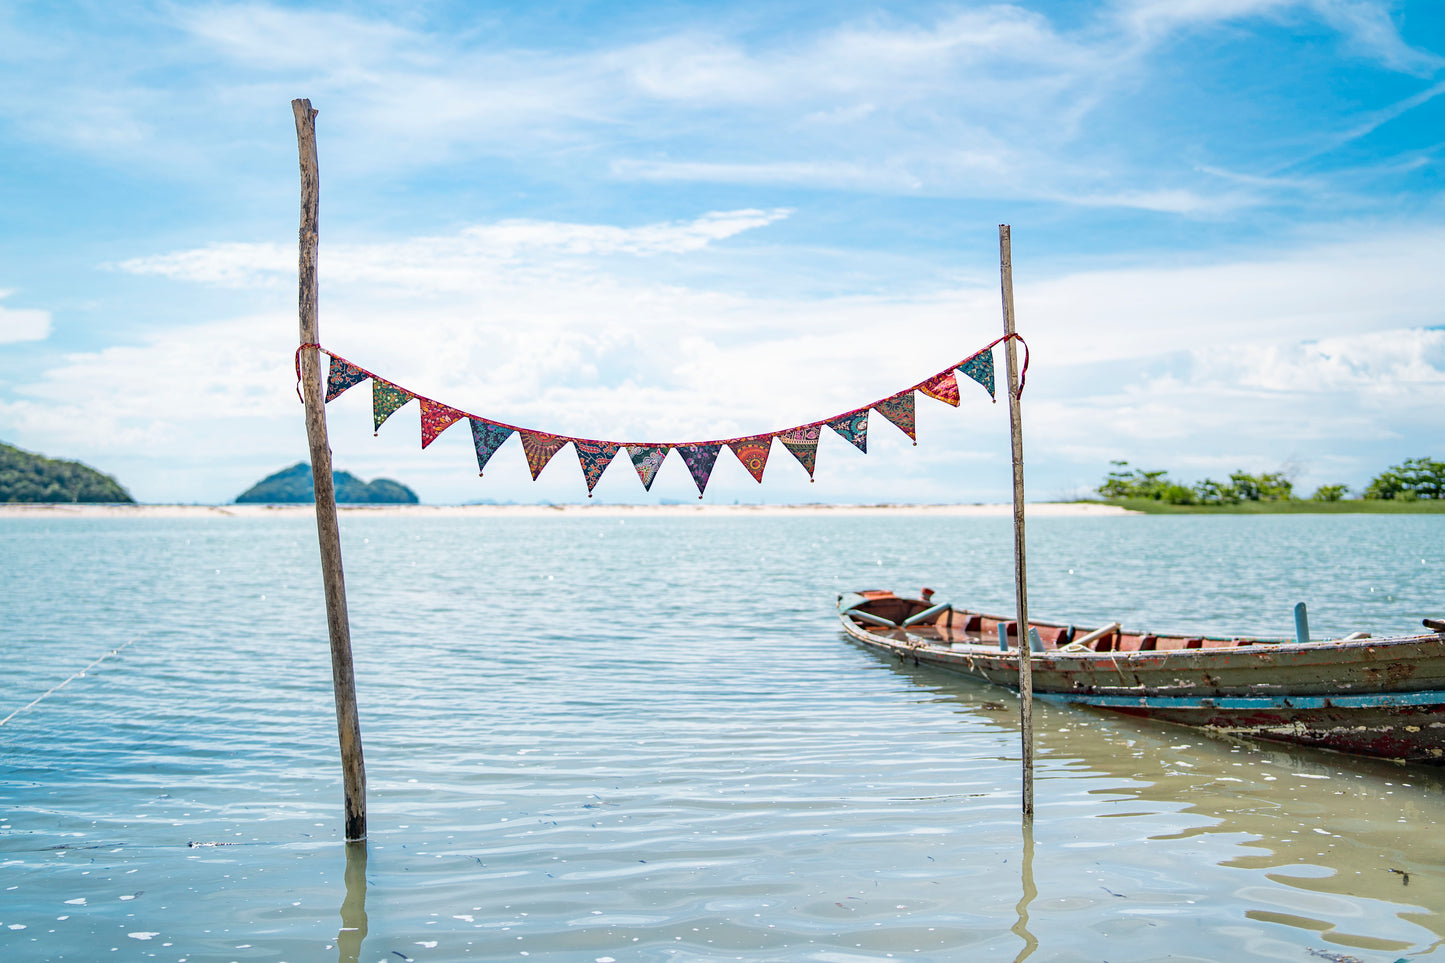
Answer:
[(342, 375), (540, 447), (753, 453), (854, 427), (435, 419), (594, 456), (980, 369), (699, 460), (700, 457), (386, 398), (487, 437), (899, 410), (942, 387), (803, 443), (647, 459)]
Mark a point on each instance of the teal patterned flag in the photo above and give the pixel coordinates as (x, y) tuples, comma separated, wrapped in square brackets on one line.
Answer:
[(594, 457), (854, 427), (980, 369), (487, 437)]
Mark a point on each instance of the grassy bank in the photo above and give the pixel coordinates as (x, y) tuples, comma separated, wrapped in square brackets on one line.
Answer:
[(1294, 506)]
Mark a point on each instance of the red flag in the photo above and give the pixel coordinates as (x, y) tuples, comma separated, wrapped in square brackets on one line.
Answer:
[(435, 419), (942, 387)]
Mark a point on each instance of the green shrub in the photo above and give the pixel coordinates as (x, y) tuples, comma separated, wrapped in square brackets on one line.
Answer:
[(1411, 479)]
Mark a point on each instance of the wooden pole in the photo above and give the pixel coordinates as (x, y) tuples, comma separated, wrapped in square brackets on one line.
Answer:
[(328, 534), (1016, 431)]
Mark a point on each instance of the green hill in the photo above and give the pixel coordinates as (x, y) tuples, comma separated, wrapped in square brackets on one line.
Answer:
[(294, 485), (28, 477)]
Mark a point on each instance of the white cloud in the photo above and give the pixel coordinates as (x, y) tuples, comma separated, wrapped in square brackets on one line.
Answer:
[(22, 324), (473, 259)]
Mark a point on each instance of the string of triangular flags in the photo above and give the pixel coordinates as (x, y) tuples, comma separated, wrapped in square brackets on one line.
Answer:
[(647, 457)]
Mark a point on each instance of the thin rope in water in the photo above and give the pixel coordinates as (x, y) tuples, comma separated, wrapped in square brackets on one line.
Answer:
[(57, 688)]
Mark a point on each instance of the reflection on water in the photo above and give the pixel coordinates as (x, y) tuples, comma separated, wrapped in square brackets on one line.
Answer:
[(353, 908), (691, 764), (1324, 835), (1030, 892)]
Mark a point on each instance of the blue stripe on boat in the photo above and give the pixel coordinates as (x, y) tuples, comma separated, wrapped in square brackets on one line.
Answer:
[(1373, 701)]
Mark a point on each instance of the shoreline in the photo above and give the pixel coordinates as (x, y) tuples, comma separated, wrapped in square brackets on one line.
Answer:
[(75, 510)]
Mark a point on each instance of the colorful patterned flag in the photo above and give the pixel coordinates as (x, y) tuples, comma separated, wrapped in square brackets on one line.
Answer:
[(647, 459), (594, 456), (487, 437), (540, 447), (854, 427), (980, 369), (803, 443), (942, 387), (342, 375), (753, 453), (699, 460), (899, 410), (435, 419), (386, 398)]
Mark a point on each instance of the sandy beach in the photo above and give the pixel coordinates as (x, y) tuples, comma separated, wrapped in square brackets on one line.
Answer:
[(1040, 509)]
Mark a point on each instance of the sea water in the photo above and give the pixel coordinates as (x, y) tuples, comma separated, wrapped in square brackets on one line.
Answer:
[(608, 738)]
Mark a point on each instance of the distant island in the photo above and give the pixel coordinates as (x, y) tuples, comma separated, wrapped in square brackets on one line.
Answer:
[(294, 485), (1416, 485), (28, 477)]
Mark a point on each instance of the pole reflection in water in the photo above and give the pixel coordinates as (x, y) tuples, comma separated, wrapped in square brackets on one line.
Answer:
[(1030, 892), (353, 907)]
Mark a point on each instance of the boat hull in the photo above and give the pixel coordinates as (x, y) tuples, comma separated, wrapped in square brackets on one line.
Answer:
[(1374, 697)]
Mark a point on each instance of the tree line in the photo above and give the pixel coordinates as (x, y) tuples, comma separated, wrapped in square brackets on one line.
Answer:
[(1411, 480)]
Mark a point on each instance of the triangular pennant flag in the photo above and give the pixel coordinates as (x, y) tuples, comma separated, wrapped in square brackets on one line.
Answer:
[(435, 419), (487, 437), (753, 453), (899, 410), (386, 398), (980, 369), (854, 427), (594, 456), (647, 459), (342, 375), (942, 387), (699, 460), (540, 447), (803, 443)]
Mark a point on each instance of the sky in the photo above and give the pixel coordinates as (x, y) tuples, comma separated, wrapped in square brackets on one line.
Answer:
[(669, 221)]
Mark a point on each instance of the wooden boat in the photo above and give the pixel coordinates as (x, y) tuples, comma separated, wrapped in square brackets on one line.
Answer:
[(1370, 696)]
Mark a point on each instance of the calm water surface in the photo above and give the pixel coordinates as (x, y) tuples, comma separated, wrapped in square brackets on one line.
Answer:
[(644, 739)]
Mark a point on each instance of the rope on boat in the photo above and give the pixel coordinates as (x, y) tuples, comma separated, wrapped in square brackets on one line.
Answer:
[(57, 688)]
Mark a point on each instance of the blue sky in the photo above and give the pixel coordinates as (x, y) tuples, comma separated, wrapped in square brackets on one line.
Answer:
[(680, 221)]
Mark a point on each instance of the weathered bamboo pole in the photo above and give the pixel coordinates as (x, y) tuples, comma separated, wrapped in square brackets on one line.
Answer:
[(1016, 431), (328, 534)]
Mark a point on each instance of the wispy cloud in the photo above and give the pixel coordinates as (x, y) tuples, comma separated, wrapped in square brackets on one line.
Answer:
[(471, 260)]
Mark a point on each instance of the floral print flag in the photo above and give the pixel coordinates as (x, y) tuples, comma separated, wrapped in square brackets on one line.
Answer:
[(386, 398), (487, 437), (594, 456), (699, 460), (647, 459), (435, 419), (342, 375)]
